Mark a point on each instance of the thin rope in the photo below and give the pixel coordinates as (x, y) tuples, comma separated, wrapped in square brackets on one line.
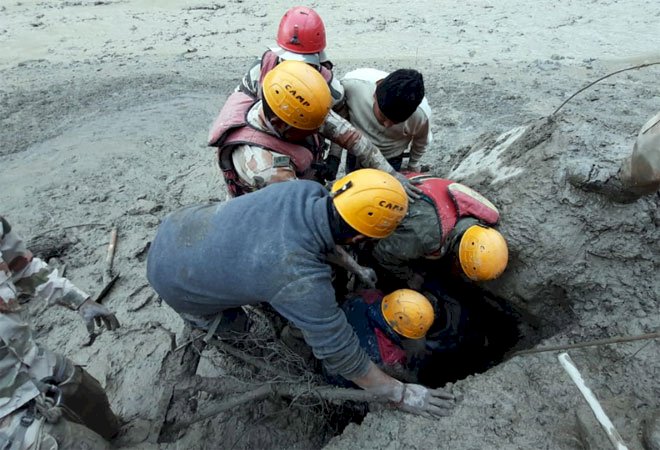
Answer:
[(640, 66)]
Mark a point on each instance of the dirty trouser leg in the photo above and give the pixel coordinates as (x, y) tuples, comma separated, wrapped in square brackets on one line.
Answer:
[(641, 171), (639, 174), (21, 430), (84, 401)]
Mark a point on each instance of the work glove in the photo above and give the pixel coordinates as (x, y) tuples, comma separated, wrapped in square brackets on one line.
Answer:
[(327, 171), (417, 399), (93, 312), (367, 276), (413, 191)]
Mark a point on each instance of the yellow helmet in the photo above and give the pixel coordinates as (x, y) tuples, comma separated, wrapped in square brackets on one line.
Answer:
[(483, 253), (409, 313), (298, 94), (371, 201)]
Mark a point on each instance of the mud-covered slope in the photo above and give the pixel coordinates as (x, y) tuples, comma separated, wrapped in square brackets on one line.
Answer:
[(582, 267)]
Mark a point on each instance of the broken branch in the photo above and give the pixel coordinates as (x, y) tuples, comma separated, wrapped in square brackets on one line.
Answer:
[(252, 360), (287, 390)]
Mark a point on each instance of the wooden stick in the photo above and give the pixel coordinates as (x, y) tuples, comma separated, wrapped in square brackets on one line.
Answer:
[(109, 259), (591, 399), (608, 341), (106, 289)]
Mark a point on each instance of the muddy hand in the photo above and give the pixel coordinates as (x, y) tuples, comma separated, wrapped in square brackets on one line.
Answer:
[(420, 400), (368, 277), (95, 312), (413, 191)]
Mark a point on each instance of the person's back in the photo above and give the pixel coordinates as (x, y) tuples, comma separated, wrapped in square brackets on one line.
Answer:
[(283, 226), (272, 246)]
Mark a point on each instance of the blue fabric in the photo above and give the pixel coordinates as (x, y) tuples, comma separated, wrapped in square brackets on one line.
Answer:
[(267, 246), (357, 314)]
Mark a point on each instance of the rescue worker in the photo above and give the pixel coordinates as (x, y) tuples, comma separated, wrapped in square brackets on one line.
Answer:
[(300, 37), (639, 174), (46, 401), (385, 323), (391, 111), (280, 138), (451, 220), (270, 246)]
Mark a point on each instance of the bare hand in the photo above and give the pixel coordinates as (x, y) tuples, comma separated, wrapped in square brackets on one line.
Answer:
[(92, 312), (368, 277), (420, 400), (413, 191)]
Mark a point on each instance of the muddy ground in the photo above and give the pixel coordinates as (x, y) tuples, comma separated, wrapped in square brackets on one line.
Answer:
[(105, 107)]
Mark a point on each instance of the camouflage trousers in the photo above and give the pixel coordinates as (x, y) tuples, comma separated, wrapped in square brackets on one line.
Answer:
[(74, 414), (22, 431)]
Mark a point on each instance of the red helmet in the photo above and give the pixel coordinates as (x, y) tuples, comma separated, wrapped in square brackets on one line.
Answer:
[(301, 31)]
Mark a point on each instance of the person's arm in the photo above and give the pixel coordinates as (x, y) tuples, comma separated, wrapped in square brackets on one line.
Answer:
[(333, 341), (343, 259), (259, 167), (421, 139), (22, 273), (341, 132), (413, 398), (334, 154)]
